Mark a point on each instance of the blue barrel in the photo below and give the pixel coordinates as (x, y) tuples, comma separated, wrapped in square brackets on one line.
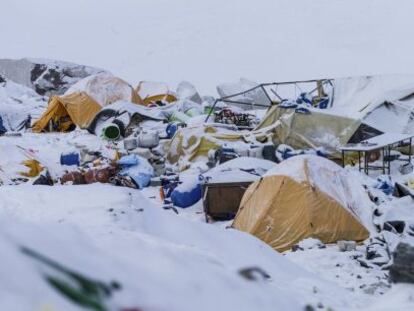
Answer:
[(171, 130), (70, 159), (186, 199)]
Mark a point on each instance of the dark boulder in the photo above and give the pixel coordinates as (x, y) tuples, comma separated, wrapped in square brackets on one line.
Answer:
[(402, 269), (46, 77)]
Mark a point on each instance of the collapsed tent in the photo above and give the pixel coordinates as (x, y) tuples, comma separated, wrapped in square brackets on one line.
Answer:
[(106, 89), (305, 196), (395, 117), (246, 91), (353, 95), (64, 113), (191, 144), (314, 129), (383, 102)]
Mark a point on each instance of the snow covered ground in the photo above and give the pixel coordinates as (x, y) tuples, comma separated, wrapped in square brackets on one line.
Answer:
[(210, 42), (163, 260)]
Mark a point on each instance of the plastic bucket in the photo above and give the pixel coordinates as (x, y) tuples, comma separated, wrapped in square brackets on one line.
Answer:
[(111, 132)]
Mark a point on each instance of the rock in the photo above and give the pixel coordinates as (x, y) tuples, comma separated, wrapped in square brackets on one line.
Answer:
[(377, 254), (44, 180), (46, 77), (402, 269), (346, 246), (311, 243), (2, 79), (254, 274), (296, 247), (363, 263), (394, 226)]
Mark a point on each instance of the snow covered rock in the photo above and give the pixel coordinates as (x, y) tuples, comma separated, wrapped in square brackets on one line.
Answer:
[(17, 102), (345, 246), (46, 77)]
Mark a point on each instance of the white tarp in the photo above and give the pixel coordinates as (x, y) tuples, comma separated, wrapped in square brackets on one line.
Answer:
[(355, 96)]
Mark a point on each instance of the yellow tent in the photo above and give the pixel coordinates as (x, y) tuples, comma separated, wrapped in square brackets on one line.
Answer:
[(303, 197), (65, 112), (152, 92)]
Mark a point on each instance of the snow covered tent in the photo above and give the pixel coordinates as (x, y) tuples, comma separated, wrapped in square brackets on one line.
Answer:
[(353, 95), (106, 89), (392, 116), (193, 143), (318, 128), (305, 196), (152, 92), (383, 102), (64, 113)]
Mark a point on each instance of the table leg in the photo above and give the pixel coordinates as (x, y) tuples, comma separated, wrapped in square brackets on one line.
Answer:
[(389, 162), (366, 162)]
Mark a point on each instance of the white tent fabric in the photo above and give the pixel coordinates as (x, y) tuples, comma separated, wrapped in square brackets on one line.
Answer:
[(357, 95)]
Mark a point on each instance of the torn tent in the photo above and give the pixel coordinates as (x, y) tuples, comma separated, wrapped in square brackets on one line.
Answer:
[(191, 144), (315, 129)]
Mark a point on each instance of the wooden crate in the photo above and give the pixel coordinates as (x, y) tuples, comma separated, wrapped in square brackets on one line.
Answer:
[(221, 201)]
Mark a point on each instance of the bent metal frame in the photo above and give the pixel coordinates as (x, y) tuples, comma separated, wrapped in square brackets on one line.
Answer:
[(268, 88)]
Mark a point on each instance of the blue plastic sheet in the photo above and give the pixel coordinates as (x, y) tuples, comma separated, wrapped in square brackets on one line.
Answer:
[(137, 168)]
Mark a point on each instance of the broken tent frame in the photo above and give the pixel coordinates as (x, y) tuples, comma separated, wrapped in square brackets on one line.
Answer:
[(280, 91)]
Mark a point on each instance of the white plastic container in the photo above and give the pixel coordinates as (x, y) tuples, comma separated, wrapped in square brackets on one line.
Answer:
[(256, 151), (148, 139)]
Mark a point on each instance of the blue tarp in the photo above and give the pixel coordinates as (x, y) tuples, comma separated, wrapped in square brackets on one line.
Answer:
[(137, 168)]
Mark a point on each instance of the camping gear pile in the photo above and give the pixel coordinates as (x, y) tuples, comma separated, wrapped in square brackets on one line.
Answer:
[(257, 163), (241, 120), (178, 139)]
